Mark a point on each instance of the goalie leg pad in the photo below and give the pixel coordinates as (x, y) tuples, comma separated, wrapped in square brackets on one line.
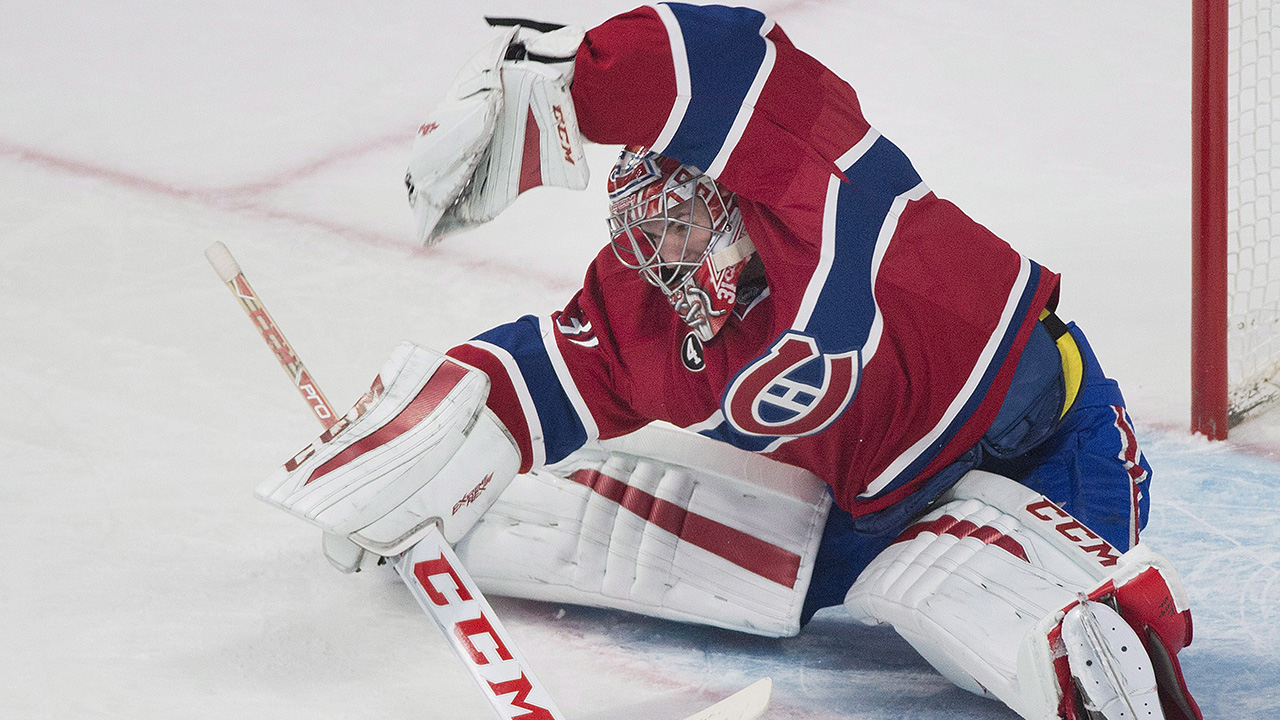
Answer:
[(664, 523), (1146, 591), (419, 448), (980, 585)]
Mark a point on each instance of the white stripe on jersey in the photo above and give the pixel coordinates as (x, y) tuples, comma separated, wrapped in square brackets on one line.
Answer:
[(860, 148), (827, 256), (979, 369), (566, 379), (527, 407), (882, 245), (683, 85), (748, 103)]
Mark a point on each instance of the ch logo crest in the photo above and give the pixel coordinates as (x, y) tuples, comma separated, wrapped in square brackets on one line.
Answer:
[(792, 390)]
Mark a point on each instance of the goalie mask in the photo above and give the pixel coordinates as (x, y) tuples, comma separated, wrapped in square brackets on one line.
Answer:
[(682, 232)]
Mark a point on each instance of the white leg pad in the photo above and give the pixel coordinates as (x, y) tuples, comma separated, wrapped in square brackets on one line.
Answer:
[(665, 523), (980, 584)]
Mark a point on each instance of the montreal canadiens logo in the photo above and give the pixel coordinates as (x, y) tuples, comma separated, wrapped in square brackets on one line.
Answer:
[(792, 390)]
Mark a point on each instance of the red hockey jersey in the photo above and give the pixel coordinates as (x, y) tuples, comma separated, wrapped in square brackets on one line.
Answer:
[(887, 336)]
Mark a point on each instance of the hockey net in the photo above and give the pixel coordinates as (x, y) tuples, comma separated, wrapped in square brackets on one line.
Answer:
[(1236, 273)]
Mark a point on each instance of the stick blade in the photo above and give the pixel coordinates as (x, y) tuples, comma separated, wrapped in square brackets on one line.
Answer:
[(748, 703)]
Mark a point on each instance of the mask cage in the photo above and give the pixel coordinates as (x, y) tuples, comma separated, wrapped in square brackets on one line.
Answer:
[(653, 231)]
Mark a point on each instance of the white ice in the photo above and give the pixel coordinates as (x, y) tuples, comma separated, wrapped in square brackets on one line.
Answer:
[(140, 579)]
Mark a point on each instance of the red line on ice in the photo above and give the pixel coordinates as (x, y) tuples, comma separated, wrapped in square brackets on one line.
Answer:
[(240, 199)]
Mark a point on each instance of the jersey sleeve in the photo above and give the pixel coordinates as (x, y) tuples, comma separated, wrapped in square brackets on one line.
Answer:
[(821, 192), (556, 382), (719, 88), (723, 89)]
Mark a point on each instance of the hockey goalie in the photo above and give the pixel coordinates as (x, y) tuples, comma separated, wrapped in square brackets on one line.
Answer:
[(794, 378)]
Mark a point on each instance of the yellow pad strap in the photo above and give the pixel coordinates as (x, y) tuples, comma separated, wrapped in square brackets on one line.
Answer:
[(1072, 365)]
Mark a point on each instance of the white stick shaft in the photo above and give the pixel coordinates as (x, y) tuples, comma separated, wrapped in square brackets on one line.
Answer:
[(748, 703), (430, 569), (447, 594), (229, 270)]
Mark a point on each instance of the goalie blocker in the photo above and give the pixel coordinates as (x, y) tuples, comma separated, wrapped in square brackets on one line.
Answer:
[(419, 448), (662, 522)]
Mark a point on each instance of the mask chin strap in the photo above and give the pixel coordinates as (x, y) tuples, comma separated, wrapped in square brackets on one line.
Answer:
[(732, 255)]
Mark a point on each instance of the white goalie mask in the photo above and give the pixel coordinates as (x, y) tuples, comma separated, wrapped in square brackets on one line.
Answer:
[(682, 232)]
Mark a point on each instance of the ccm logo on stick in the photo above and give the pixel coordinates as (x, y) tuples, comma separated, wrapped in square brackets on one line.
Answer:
[(358, 410), (480, 640)]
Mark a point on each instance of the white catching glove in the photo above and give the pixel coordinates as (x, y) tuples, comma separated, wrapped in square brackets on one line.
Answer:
[(478, 151), (422, 450)]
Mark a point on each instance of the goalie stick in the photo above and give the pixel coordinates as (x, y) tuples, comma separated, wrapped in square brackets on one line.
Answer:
[(229, 270), (436, 578)]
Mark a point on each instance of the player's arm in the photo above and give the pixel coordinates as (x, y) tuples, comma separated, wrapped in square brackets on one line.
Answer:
[(719, 88), (557, 381)]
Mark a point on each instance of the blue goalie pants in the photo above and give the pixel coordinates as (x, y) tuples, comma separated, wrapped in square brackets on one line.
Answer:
[(1087, 461)]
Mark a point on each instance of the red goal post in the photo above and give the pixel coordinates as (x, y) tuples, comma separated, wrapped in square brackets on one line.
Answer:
[(1235, 284), (1210, 48)]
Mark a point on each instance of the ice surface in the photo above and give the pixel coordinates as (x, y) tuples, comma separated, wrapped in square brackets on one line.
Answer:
[(139, 408)]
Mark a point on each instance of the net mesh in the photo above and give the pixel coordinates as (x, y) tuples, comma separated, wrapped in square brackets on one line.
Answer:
[(1253, 263)]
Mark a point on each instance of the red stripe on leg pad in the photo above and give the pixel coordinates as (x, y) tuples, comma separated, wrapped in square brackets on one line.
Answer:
[(947, 525), (747, 551), (442, 382)]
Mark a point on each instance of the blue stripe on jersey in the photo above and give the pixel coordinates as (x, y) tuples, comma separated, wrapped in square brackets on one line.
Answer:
[(562, 430), (725, 433), (842, 318), (724, 50), (979, 393)]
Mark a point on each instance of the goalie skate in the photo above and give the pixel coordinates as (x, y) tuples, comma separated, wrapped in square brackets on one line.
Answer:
[(1109, 664)]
